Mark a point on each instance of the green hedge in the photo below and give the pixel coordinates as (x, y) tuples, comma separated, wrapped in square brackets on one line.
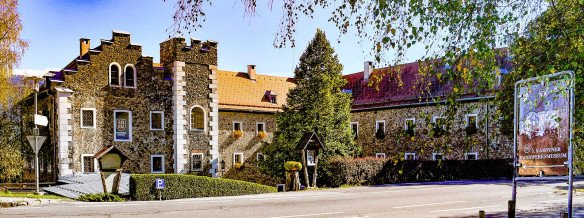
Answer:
[(371, 171), (101, 197), (191, 186)]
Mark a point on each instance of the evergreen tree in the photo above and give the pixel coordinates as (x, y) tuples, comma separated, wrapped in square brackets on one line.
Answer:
[(315, 104)]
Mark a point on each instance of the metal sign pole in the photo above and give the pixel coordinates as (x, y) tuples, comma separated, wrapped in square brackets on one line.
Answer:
[(570, 148)]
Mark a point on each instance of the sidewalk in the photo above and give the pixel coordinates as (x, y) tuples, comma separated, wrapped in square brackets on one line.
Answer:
[(15, 202)]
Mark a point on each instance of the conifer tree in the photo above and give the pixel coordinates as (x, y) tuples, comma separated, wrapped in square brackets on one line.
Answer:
[(318, 104)]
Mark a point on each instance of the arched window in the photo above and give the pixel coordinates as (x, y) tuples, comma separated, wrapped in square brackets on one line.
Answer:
[(197, 118), (130, 76), (114, 74)]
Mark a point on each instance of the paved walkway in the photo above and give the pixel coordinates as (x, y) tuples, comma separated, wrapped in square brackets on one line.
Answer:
[(86, 184), (14, 202)]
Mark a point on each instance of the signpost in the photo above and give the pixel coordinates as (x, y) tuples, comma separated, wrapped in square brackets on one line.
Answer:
[(36, 141), (159, 186), (544, 108)]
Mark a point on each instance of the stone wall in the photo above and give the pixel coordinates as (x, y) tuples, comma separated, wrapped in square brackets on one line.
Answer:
[(453, 145), (249, 142), (92, 90)]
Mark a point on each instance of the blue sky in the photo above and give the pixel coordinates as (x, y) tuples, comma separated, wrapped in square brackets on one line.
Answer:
[(53, 28)]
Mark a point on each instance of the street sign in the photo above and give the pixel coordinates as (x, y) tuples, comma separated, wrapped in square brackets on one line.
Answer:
[(40, 120), (36, 142), (159, 183)]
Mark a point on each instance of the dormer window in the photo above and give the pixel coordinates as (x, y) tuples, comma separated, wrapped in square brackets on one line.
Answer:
[(130, 76), (114, 74), (272, 97)]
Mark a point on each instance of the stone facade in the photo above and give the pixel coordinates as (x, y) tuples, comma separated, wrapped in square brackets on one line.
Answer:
[(486, 142), (247, 144)]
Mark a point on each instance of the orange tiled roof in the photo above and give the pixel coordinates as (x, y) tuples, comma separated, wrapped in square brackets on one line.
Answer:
[(238, 92)]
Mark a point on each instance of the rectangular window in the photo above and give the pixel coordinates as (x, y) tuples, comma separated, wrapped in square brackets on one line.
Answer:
[(471, 156), (122, 125), (237, 158), (156, 120), (410, 156), (157, 163), (355, 129), (410, 124), (310, 157), (87, 163), (237, 126), (380, 126), (197, 162), (260, 127), (471, 120), (260, 157), (380, 155), (87, 118), (274, 99), (440, 122), (437, 156)]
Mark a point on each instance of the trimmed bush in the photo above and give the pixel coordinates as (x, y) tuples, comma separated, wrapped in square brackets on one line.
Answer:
[(370, 171), (190, 186), (292, 165), (102, 197)]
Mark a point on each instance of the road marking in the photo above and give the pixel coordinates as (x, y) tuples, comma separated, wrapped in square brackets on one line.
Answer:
[(23, 207), (466, 208), (566, 199), (430, 204), (108, 205), (405, 190), (304, 215)]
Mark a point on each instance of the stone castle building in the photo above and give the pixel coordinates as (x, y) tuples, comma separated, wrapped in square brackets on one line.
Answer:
[(185, 115)]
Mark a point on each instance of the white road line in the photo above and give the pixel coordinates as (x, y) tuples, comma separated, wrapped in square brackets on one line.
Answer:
[(466, 208), (108, 205), (22, 207), (405, 190), (430, 204), (305, 215)]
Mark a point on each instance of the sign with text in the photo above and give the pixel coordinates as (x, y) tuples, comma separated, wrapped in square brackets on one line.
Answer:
[(123, 125), (543, 126)]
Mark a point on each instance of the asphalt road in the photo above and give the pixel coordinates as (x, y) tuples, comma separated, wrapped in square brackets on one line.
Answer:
[(452, 199)]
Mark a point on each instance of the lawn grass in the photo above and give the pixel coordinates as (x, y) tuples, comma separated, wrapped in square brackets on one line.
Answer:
[(31, 195)]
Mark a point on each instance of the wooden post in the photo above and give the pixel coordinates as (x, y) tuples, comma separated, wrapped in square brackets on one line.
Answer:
[(305, 168), (511, 209), (314, 174), (481, 214)]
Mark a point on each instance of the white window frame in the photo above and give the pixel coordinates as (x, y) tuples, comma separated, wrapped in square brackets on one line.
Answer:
[(240, 159), (409, 154), (81, 118), (258, 157), (120, 71), (439, 117), (191, 119), (357, 130), (476, 154), (95, 170), (476, 120), (435, 154), (152, 163), (129, 126), (406, 122), (202, 160), (135, 76), (257, 129), (377, 122), (380, 155), (240, 125), (161, 120)]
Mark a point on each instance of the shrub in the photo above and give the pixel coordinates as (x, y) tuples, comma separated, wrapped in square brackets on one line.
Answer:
[(251, 173), (369, 171), (292, 165), (101, 197), (190, 186)]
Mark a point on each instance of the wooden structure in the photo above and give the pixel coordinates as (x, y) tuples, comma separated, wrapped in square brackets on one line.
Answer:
[(309, 147), (110, 160)]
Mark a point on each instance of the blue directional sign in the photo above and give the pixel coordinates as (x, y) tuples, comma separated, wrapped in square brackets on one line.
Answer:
[(159, 183)]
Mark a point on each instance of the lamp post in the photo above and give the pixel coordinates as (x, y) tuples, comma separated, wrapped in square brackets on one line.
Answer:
[(222, 165)]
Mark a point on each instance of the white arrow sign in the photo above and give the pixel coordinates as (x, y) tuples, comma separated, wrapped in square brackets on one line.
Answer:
[(36, 142), (40, 120)]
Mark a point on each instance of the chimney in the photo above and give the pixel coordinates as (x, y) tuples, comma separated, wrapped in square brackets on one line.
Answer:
[(83, 46), (251, 72), (367, 70)]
